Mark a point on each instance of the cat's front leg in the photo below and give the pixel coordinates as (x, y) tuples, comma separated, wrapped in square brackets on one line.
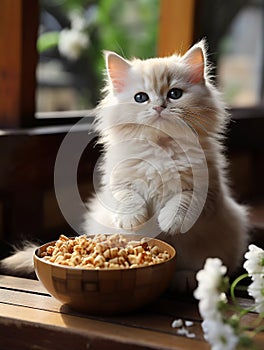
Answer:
[(131, 211), (173, 214)]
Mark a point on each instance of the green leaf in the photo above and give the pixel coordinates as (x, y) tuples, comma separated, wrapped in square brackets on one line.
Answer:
[(47, 41)]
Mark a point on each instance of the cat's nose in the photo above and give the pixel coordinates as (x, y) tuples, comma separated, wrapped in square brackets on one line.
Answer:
[(159, 109)]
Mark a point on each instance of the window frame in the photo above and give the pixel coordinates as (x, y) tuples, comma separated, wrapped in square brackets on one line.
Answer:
[(18, 60)]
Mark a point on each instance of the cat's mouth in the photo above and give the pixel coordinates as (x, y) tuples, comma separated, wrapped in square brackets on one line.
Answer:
[(163, 114)]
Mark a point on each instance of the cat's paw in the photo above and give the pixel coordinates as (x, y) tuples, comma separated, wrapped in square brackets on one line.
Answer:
[(130, 221), (169, 221)]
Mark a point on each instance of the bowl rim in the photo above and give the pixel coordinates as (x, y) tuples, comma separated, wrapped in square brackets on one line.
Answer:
[(37, 257)]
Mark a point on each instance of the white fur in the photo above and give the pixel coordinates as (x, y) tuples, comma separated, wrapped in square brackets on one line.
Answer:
[(21, 261), (151, 163)]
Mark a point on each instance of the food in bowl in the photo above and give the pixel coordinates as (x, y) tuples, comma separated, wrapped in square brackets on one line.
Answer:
[(104, 251), (107, 289)]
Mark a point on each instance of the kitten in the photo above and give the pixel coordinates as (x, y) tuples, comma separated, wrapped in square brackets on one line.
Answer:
[(163, 171)]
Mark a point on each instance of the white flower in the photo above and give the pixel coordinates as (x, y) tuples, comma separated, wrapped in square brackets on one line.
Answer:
[(78, 21), (221, 327), (208, 291), (255, 268), (208, 306), (220, 335), (72, 42), (210, 277), (255, 260), (256, 290)]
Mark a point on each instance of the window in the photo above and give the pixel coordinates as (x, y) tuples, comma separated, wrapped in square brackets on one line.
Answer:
[(72, 37), (181, 23)]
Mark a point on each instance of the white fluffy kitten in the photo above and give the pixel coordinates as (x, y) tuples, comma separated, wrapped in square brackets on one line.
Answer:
[(163, 169)]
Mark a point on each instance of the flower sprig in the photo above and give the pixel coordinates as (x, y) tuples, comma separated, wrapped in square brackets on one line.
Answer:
[(255, 268), (71, 42), (223, 324)]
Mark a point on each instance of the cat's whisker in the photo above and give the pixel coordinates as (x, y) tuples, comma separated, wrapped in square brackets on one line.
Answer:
[(197, 124), (204, 125), (209, 109), (187, 115), (199, 118), (199, 114), (194, 120), (190, 126)]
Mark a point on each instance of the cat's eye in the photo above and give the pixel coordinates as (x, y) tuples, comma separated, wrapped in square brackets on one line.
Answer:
[(175, 93), (141, 97)]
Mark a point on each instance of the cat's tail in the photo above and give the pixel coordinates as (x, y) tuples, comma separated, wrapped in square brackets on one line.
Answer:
[(21, 262)]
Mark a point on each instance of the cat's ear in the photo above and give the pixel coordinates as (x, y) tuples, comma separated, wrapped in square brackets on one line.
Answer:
[(117, 69), (196, 60)]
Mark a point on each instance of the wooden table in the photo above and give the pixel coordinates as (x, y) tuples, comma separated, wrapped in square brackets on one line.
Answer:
[(31, 319)]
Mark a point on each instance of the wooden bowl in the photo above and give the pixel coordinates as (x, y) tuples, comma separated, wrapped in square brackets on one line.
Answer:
[(105, 291)]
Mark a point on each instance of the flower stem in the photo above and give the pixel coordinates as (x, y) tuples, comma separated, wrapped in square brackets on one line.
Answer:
[(232, 289)]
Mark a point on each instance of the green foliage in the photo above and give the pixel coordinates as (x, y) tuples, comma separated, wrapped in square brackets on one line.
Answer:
[(128, 27), (70, 5), (47, 41)]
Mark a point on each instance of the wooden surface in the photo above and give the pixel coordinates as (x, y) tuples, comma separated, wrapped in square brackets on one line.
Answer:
[(31, 319)]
